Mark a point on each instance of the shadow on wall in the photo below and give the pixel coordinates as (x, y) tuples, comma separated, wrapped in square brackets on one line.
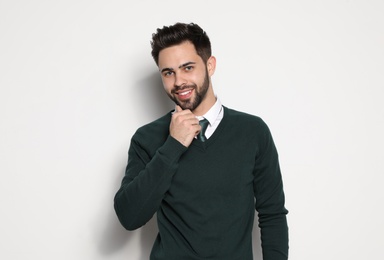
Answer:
[(115, 238), (152, 102), (151, 98), (257, 254)]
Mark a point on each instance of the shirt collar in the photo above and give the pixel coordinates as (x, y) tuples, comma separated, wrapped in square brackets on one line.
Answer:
[(213, 112)]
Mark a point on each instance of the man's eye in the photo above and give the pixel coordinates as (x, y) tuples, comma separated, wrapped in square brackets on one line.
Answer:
[(188, 68), (168, 73)]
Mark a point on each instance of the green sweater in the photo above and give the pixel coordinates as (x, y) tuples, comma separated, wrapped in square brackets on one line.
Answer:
[(205, 195)]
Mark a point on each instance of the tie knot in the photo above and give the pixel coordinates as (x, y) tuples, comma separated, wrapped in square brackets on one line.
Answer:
[(204, 124)]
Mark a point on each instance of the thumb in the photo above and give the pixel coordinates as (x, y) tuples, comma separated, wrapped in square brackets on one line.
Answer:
[(178, 108)]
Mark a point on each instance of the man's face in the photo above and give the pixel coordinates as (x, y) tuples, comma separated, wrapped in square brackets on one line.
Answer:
[(184, 74)]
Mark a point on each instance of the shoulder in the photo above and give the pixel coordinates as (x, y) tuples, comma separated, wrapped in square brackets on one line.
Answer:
[(250, 128), (247, 125), (155, 130), (243, 118), (157, 124)]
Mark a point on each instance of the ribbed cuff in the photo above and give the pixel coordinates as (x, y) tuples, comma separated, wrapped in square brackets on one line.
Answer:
[(172, 150)]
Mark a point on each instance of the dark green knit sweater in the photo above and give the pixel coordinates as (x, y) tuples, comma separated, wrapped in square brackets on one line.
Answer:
[(204, 195)]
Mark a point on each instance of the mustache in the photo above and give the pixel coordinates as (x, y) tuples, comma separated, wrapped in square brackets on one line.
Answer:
[(179, 88)]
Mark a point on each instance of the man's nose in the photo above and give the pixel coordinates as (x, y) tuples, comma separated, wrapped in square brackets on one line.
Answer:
[(180, 80)]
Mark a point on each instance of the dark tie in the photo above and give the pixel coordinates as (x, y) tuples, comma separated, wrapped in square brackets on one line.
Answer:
[(204, 124)]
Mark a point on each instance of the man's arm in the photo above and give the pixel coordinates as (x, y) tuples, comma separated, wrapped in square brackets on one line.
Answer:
[(147, 178), (145, 182), (269, 194)]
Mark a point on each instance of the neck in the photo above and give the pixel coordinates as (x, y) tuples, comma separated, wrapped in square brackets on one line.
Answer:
[(206, 104)]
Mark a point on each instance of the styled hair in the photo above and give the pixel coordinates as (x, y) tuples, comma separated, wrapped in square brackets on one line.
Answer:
[(178, 33)]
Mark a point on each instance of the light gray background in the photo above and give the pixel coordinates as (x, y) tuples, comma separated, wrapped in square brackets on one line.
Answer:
[(77, 80)]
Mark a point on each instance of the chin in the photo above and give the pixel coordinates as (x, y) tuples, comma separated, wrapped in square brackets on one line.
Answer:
[(188, 105)]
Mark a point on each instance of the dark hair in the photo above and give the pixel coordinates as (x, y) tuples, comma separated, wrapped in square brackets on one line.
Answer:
[(178, 33)]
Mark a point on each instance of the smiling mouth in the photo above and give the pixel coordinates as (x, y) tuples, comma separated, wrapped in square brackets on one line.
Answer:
[(184, 93)]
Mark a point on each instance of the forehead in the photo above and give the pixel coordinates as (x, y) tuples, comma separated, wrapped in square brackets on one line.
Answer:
[(178, 54)]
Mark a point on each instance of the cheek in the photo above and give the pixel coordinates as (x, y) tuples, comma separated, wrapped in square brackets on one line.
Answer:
[(199, 75), (167, 84), (199, 80)]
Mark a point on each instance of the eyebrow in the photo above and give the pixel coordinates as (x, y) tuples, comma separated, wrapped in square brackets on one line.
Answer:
[(181, 66)]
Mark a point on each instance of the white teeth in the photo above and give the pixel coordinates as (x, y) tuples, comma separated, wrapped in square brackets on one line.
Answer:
[(184, 93)]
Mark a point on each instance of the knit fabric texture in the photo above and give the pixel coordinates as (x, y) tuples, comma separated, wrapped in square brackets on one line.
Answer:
[(205, 195)]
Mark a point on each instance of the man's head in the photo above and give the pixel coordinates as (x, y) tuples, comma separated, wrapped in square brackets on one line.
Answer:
[(178, 33), (183, 55)]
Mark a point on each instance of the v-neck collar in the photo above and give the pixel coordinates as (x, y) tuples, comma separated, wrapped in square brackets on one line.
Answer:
[(215, 134)]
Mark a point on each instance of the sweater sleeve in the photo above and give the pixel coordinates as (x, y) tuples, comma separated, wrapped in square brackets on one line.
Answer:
[(146, 181), (269, 194)]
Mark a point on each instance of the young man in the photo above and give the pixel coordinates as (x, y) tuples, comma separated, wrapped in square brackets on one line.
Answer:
[(204, 182)]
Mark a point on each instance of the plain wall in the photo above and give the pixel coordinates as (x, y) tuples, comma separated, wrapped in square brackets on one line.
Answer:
[(77, 80)]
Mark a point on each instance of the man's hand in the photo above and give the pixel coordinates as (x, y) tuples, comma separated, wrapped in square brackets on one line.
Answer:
[(184, 126)]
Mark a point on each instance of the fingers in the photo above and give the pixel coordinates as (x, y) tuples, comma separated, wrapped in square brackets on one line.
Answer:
[(184, 126), (185, 117)]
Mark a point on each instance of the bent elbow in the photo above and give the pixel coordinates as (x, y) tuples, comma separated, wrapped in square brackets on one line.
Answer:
[(126, 218)]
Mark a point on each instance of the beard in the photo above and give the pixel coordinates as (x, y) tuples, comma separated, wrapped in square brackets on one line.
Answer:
[(196, 100)]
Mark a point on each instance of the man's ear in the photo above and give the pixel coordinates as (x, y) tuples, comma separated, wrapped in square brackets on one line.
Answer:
[(211, 65)]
